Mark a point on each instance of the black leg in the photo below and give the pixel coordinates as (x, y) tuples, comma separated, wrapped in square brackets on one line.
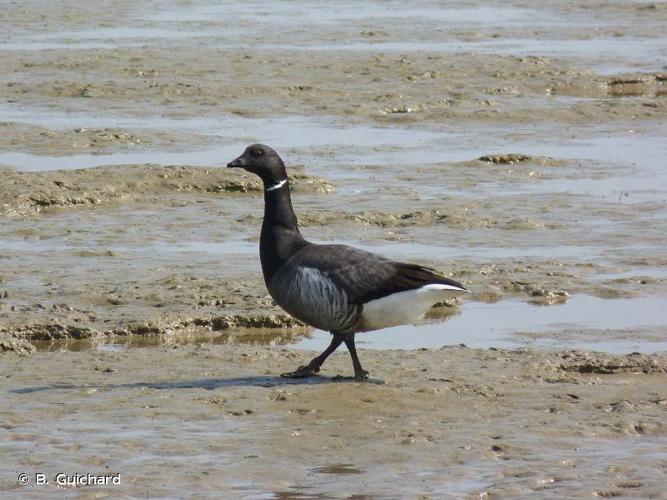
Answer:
[(314, 366), (359, 373)]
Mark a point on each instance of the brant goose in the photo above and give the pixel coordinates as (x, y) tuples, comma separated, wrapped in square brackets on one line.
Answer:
[(336, 288)]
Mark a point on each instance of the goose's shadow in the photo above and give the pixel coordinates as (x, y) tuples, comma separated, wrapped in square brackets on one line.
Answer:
[(206, 383)]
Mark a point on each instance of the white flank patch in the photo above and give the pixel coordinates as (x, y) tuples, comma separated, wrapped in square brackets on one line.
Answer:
[(404, 308)]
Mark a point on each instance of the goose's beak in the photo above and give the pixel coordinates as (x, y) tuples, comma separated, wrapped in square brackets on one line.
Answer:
[(238, 162)]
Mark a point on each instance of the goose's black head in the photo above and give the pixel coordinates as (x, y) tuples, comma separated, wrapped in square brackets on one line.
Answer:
[(263, 161)]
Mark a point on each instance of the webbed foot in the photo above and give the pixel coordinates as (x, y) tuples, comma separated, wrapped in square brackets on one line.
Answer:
[(302, 372), (358, 377)]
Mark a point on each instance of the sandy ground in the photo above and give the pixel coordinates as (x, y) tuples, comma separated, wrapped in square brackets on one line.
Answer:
[(517, 148), (455, 422)]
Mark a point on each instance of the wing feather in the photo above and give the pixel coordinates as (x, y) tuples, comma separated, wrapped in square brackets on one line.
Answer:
[(365, 276)]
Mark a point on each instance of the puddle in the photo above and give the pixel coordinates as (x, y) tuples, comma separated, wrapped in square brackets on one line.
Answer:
[(653, 272), (584, 322), (483, 325), (637, 171), (249, 336)]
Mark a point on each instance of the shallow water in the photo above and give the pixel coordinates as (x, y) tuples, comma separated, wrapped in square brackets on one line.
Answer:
[(590, 40), (507, 324), (631, 161), (618, 326), (632, 158), (291, 132), (318, 13)]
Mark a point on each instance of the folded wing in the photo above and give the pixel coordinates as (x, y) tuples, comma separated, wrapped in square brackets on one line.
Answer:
[(365, 276)]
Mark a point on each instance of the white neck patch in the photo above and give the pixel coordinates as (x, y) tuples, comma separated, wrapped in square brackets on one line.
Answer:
[(277, 186)]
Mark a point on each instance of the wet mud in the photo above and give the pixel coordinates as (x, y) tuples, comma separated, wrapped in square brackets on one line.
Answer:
[(518, 149), (217, 419)]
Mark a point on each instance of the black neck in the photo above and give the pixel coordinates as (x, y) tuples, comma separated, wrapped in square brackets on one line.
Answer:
[(280, 236)]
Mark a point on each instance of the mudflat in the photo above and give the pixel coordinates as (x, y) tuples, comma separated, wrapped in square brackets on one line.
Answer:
[(216, 420), (518, 149)]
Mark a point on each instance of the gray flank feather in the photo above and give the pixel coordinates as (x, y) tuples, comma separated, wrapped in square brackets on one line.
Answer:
[(313, 297)]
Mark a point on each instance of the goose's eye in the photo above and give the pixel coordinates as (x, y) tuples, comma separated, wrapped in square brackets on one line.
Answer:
[(257, 152)]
